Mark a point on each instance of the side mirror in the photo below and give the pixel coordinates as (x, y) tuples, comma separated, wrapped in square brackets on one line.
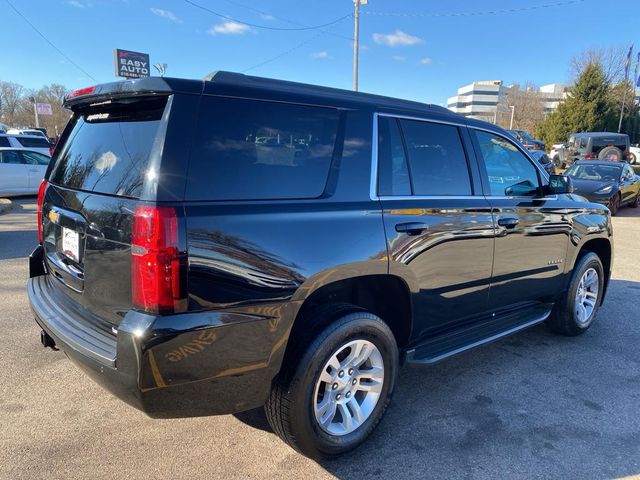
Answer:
[(559, 184)]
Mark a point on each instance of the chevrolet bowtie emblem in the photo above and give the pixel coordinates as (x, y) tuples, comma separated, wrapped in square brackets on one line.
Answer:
[(53, 216)]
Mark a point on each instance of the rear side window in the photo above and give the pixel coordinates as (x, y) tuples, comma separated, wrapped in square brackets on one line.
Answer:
[(254, 150), (9, 156), (34, 158), (33, 142), (4, 142), (437, 161), (108, 149)]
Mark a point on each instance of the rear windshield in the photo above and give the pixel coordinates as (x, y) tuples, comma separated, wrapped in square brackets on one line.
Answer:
[(544, 159), (600, 142), (109, 147), (254, 150), (33, 142)]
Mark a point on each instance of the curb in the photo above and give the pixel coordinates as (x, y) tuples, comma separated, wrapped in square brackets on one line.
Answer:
[(5, 205)]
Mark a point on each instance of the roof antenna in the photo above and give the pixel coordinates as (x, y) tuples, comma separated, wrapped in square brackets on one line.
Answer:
[(162, 68)]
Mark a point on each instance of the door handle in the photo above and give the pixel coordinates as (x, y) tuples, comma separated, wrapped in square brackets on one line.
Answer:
[(412, 228), (508, 222)]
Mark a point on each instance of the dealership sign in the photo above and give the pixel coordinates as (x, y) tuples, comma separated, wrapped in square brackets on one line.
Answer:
[(131, 64), (44, 109)]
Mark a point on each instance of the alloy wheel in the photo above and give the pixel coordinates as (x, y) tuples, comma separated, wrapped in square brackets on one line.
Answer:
[(587, 296), (349, 387)]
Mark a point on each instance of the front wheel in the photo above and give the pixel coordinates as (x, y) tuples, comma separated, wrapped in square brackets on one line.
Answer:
[(574, 314), (331, 399), (636, 201)]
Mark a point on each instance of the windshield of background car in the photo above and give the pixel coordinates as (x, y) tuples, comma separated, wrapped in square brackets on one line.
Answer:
[(33, 142), (600, 173), (525, 135)]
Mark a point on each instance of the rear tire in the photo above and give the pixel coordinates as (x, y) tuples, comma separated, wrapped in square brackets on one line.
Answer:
[(309, 396), (612, 154), (577, 310), (632, 158)]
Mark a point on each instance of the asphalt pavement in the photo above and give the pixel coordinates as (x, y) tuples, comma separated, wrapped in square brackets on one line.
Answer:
[(534, 405)]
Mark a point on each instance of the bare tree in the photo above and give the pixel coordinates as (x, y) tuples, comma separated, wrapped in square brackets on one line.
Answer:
[(17, 109), (528, 108), (612, 60), (11, 99)]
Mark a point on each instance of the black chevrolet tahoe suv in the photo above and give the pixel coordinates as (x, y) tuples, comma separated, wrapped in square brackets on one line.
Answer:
[(214, 246)]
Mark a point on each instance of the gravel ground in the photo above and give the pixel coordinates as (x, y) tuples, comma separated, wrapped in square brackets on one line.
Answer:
[(531, 406)]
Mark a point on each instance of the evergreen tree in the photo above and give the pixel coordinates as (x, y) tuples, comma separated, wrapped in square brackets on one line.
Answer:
[(588, 108)]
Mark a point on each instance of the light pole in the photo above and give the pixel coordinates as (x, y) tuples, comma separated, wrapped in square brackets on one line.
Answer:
[(513, 109), (356, 40)]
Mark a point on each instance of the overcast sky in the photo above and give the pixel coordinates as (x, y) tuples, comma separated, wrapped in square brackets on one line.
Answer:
[(417, 49)]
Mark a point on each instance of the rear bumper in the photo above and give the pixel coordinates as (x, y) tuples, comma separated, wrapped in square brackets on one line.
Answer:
[(183, 365)]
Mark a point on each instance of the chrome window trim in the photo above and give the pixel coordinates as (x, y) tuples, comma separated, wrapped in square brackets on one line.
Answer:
[(430, 197), (421, 119), (511, 197), (373, 186)]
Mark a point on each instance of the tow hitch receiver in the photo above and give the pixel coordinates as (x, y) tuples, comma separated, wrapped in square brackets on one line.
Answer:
[(47, 341)]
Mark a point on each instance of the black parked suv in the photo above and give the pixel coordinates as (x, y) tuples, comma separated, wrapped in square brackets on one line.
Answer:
[(208, 247)]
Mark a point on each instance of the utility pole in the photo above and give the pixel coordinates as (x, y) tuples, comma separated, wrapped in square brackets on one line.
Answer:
[(624, 99), (513, 109), (356, 40), (627, 67)]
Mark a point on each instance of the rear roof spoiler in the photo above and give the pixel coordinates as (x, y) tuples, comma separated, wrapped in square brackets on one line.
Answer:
[(131, 88)]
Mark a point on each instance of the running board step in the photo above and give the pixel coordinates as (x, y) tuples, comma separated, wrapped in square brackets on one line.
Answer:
[(456, 341)]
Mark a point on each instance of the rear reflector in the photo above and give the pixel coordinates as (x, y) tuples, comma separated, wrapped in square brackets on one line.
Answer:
[(82, 91), (41, 191), (157, 267)]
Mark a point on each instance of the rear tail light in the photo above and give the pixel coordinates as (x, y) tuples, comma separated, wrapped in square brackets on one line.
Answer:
[(588, 156), (51, 148), (41, 191), (82, 91), (158, 266)]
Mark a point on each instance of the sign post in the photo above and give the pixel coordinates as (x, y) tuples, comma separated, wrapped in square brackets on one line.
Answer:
[(130, 64)]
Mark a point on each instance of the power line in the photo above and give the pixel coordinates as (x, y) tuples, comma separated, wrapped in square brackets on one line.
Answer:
[(265, 27), (282, 19), (290, 50), (478, 13), (50, 42)]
